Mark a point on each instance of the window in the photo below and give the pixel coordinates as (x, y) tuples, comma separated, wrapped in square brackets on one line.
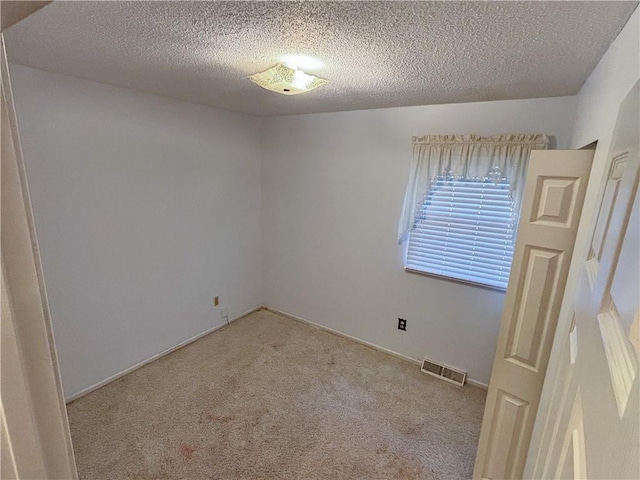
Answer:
[(464, 229), (462, 203)]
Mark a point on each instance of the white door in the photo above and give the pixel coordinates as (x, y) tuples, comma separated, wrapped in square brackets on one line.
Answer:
[(552, 203), (593, 427)]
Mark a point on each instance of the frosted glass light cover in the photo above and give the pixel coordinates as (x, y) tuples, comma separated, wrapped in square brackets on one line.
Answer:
[(285, 80)]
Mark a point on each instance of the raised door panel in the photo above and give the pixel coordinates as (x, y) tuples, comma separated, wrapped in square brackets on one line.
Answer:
[(573, 461), (510, 417), (536, 296)]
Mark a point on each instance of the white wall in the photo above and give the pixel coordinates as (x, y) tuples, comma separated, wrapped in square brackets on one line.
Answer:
[(607, 86), (332, 193), (145, 208)]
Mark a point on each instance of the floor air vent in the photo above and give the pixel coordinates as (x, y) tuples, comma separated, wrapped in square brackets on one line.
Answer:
[(442, 371)]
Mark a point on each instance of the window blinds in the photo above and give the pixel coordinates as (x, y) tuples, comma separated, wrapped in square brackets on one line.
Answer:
[(464, 230)]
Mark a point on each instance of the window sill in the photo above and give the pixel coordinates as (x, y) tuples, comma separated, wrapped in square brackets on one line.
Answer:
[(455, 280)]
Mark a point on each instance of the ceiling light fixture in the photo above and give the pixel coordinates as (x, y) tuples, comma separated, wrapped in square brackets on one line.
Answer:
[(286, 80), (296, 60)]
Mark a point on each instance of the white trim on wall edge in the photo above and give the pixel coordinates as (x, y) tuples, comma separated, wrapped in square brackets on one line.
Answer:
[(112, 378), (415, 361), (126, 371)]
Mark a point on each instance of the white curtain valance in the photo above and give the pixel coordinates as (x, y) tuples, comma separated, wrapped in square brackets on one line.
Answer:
[(499, 157)]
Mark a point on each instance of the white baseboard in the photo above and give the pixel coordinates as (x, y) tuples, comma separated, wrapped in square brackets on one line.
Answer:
[(118, 375), (415, 361), (477, 383), (112, 378)]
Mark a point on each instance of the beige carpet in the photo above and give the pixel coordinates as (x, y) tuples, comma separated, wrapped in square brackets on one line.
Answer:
[(269, 397)]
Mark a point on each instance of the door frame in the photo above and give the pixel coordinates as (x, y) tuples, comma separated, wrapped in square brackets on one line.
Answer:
[(31, 357)]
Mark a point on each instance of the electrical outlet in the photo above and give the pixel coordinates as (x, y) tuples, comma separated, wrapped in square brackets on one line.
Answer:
[(224, 313), (216, 301), (402, 324)]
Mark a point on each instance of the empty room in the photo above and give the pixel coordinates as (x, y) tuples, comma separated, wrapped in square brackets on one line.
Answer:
[(320, 240)]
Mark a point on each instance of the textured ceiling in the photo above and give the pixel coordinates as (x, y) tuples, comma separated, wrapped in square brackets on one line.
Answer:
[(12, 11), (374, 54)]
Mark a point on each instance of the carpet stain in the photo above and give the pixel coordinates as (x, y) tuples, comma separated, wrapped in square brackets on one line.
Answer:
[(405, 468), (258, 416), (407, 473), (332, 361), (277, 345), (412, 430), (187, 451)]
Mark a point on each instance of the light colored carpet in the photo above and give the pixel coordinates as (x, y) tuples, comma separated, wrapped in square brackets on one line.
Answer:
[(269, 397)]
